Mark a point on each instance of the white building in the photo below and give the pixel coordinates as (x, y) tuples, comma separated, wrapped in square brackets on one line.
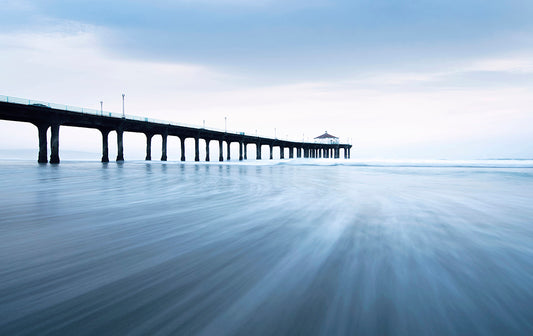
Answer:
[(327, 139)]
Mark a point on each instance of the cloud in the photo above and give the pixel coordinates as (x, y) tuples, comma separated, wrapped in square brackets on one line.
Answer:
[(511, 64), (218, 3), (76, 59), (384, 113), (16, 5), (303, 40), (512, 71)]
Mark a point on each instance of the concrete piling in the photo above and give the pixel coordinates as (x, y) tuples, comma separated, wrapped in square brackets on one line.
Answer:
[(54, 143), (43, 143)]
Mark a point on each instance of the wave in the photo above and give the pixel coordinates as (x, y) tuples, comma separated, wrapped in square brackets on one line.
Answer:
[(487, 163), (385, 163)]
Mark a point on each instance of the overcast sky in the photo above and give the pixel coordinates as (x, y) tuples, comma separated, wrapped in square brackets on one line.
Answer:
[(399, 78)]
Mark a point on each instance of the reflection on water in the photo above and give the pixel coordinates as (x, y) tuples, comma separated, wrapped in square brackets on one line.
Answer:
[(154, 248)]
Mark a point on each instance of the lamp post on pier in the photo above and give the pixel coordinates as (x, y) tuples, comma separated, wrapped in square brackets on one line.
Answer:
[(101, 107), (123, 114)]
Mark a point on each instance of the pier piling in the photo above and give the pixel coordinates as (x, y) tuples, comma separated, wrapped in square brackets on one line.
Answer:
[(163, 147), (105, 145), (54, 143), (120, 147), (43, 143), (148, 147)]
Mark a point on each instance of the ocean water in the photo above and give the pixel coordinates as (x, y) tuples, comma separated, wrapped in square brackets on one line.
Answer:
[(300, 247)]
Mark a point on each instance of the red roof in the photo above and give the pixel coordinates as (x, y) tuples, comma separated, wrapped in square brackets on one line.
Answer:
[(326, 136)]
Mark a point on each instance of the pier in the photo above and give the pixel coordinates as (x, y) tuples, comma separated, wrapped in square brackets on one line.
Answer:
[(54, 116)]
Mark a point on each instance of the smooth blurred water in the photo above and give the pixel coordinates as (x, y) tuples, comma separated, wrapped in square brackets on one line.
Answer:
[(278, 249)]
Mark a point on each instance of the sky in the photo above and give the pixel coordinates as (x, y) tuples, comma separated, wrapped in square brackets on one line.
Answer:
[(433, 79)]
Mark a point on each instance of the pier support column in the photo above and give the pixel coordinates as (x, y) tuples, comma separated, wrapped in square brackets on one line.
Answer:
[(245, 151), (207, 150), (164, 147), (258, 151), (182, 143), (54, 144), (240, 150), (220, 150), (120, 146), (271, 152), (281, 152), (228, 144), (105, 145), (298, 152), (349, 152), (43, 143), (291, 152), (196, 149), (148, 147)]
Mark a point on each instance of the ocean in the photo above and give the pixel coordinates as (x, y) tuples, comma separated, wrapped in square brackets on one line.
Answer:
[(293, 247)]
